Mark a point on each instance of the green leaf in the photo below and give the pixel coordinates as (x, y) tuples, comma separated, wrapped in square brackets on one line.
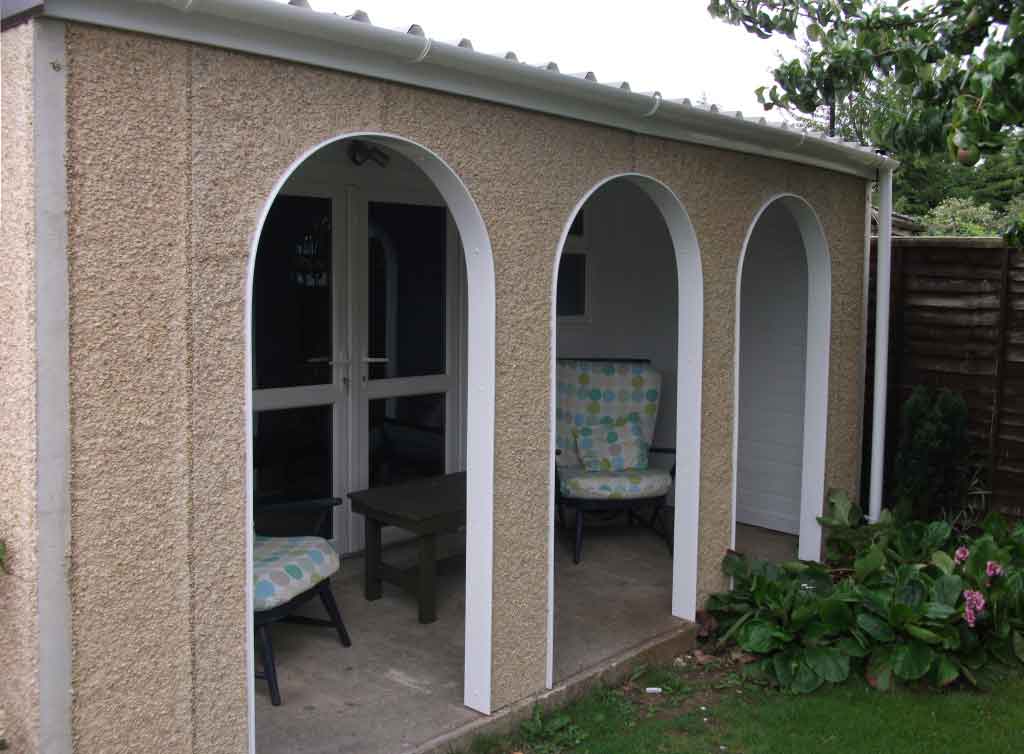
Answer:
[(806, 680), (761, 636), (869, 563), (829, 663), (875, 627), (967, 673), (943, 562), (851, 647), (735, 566), (836, 614), (948, 589), (1018, 645), (928, 637), (946, 671), (879, 670), (813, 32), (912, 593), (936, 535), (937, 611), (785, 666), (912, 660)]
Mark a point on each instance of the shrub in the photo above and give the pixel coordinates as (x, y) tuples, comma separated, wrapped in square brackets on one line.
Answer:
[(962, 217), (932, 469), (898, 602)]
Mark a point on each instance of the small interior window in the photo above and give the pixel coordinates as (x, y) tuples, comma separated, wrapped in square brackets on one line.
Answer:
[(572, 285)]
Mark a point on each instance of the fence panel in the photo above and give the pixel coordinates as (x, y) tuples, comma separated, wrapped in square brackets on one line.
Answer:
[(957, 321)]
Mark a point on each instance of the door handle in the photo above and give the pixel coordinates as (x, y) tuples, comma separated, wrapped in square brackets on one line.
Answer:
[(327, 360), (376, 360)]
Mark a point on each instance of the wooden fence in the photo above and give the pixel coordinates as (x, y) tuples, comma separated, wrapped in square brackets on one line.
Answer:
[(957, 321)]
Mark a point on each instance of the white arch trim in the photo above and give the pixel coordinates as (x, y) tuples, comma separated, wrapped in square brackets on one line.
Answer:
[(479, 419), (689, 366), (819, 328)]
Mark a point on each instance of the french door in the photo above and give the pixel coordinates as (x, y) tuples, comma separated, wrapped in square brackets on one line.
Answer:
[(358, 349)]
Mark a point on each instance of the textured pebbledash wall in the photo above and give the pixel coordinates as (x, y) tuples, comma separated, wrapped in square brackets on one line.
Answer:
[(19, 641), (173, 151)]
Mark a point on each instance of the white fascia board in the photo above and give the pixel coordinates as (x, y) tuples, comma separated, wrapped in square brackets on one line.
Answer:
[(299, 34)]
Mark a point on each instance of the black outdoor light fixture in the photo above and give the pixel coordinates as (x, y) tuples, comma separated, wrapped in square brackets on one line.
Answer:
[(360, 153)]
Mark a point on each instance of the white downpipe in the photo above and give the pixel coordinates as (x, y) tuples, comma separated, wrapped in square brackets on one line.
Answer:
[(883, 279)]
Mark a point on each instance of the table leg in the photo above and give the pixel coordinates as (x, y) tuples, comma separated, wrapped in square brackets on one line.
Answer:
[(427, 578), (372, 587)]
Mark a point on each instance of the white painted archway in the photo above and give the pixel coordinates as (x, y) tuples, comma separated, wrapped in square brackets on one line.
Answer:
[(479, 419), (816, 364), (689, 365)]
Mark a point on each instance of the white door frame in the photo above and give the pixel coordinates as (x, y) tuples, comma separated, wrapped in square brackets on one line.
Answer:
[(335, 393), (819, 328), (449, 383), (480, 351), (689, 367)]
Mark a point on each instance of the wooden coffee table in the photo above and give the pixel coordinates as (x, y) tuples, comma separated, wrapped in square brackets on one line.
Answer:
[(426, 507)]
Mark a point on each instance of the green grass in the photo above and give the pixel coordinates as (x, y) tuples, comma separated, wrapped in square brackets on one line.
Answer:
[(714, 712)]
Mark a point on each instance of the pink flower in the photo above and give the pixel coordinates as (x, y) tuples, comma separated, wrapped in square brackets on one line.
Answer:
[(962, 553), (974, 603), (969, 616), (993, 569)]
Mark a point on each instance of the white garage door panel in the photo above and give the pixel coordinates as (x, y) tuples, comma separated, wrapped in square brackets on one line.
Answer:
[(773, 347)]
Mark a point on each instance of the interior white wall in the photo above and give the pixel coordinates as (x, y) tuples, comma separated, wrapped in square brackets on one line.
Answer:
[(772, 374), (633, 306)]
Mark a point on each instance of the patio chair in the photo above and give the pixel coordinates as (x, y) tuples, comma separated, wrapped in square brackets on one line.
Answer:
[(606, 410), (288, 572)]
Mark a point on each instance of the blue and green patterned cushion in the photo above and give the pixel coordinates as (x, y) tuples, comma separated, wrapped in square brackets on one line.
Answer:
[(616, 447), (577, 482), (285, 567), (595, 394)]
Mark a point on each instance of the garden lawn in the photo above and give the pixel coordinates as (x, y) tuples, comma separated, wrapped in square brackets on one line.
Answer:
[(710, 709)]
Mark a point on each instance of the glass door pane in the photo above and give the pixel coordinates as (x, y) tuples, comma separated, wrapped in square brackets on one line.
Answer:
[(291, 317), (406, 438), (406, 290), (292, 461)]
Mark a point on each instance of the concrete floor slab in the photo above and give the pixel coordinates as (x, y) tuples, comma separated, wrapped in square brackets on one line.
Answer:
[(399, 685)]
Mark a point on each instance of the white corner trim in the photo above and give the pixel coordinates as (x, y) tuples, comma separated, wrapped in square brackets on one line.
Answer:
[(479, 423), (819, 318), (53, 422), (883, 282), (689, 366)]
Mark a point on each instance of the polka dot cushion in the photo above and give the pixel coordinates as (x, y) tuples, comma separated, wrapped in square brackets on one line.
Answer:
[(612, 447), (577, 482), (598, 394), (285, 567)]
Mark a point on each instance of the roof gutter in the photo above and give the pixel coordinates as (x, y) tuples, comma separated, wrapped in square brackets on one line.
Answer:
[(295, 33)]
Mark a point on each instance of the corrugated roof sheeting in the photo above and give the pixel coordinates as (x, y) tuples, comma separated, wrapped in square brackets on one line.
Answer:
[(467, 44)]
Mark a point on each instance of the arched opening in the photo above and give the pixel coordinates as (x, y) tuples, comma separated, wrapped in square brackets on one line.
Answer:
[(782, 354), (627, 320), (370, 312)]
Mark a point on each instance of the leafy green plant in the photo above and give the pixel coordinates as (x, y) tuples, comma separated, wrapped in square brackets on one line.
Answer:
[(551, 733), (897, 602), (932, 469)]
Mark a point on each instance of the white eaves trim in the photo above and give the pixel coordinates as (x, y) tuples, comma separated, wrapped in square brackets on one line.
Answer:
[(300, 34)]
